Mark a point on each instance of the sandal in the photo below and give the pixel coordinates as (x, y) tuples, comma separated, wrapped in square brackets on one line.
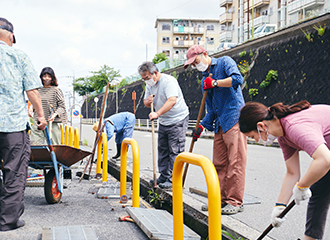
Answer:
[(230, 209)]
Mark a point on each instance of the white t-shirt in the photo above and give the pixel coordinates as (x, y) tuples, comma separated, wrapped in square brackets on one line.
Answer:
[(167, 87)]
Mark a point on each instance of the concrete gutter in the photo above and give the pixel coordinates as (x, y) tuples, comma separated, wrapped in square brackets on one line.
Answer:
[(193, 217)]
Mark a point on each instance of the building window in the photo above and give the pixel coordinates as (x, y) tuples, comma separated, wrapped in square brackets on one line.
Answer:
[(223, 28), (233, 9), (166, 39), (167, 52), (210, 27), (177, 38), (210, 40), (177, 52), (271, 11), (166, 27), (233, 27)]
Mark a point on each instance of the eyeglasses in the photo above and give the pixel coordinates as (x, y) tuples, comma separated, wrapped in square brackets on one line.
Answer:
[(148, 77)]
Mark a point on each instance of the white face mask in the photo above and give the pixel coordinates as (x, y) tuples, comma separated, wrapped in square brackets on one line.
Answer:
[(151, 82), (269, 141), (202, 67)]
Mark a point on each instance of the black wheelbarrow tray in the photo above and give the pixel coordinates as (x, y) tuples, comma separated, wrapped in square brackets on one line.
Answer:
[(54, 159)]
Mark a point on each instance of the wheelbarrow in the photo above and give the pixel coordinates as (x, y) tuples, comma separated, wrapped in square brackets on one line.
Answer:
[(52, 159)]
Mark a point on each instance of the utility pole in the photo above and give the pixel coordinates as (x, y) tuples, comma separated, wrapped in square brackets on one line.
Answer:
[(74, 98)]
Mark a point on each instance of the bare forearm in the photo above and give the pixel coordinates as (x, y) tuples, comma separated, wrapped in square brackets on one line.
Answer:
[(34, 98), (168, 105), (286, 190), (227, 82)]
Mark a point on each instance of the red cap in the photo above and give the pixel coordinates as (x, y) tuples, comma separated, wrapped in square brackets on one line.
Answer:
[(192, 53)]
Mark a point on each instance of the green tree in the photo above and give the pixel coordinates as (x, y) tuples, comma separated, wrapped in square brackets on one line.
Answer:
[(82, 86), (96, 82), (159, 57), (102, 77)]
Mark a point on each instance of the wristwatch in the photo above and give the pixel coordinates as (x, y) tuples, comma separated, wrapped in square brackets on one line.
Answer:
[(215, 83)]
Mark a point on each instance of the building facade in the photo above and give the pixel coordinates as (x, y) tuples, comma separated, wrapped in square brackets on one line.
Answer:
[(175, 36), (237, 25)]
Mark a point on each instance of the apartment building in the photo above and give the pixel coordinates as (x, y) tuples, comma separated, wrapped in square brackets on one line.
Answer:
[(236, 25), (175, 36)]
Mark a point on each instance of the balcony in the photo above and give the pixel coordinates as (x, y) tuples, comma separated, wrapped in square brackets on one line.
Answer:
[(224, 3), (257, 3), (257, 22), (226, 17), (183, 43), (187, 30), (225, 36), (300, 4)]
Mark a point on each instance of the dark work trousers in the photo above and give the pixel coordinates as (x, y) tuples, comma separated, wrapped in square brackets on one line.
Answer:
[(171, 142), (318, 206), (15, 153)]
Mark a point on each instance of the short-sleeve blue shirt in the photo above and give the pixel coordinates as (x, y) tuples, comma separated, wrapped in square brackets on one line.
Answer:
[(17, 75), (223, 103)]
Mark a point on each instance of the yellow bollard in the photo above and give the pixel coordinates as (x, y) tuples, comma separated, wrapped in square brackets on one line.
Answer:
[(105, 157), (70, 136), (62, 134), (66, 141), (213, 189), (103, 141), (76, 138), (136, 169)]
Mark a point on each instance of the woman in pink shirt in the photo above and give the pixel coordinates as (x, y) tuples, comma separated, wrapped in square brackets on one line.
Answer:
[(298, 127)]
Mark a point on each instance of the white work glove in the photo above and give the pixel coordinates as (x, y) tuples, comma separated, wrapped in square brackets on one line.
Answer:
[(276, 221), (301, 194)]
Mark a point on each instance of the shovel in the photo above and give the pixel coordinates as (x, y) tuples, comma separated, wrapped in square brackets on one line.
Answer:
[(153, 146), (201, 108), (270, 227), (51, 111)]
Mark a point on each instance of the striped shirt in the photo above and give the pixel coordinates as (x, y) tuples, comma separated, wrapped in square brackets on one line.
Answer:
[(17, 75), (52, 99)]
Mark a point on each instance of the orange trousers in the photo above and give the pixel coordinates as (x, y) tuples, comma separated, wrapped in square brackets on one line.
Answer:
[(229, 159)]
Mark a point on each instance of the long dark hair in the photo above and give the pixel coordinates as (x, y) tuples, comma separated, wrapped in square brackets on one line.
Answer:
[(254, 112), (50, 71)]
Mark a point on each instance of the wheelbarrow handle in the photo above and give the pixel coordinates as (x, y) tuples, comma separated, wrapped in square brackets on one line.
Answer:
[(49, 141)]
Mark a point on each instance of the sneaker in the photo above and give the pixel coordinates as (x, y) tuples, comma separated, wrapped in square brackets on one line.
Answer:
[(166, 184), (230, 209), (205, 207), (158, 181)]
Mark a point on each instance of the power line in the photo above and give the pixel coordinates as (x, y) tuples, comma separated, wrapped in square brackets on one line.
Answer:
[(175, 8)]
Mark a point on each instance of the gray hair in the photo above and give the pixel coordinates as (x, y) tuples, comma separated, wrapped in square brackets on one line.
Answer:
[(147, 67)]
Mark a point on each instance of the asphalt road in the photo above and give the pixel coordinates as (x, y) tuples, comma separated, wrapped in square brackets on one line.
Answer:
[(264, 174)]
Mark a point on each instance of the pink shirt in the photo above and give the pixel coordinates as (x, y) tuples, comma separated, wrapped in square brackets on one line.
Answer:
[(305, 130)]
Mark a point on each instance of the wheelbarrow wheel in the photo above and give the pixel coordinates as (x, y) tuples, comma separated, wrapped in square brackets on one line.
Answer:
[(52, 193)]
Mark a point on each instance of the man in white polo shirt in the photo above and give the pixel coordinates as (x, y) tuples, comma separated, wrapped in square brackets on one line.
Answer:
[(173, 114)]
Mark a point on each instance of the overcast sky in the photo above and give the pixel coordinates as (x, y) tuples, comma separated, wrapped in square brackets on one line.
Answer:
[(75, 37)]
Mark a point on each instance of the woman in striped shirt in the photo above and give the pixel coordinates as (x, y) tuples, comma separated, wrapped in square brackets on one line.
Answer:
[(53, 105)]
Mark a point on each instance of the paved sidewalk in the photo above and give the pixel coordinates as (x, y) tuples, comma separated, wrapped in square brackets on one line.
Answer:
[(78, 206)]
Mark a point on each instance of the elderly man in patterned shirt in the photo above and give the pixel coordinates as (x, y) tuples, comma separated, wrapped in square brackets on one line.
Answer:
[(17, 75), (224, 101)]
